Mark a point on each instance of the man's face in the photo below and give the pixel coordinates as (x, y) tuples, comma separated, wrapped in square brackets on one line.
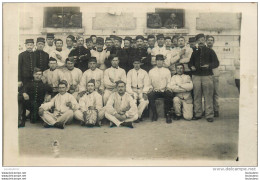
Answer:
[(181, 42), (201, 41), (160, 42), (121, 88), (168, 43), (59, 44), (127, 44), (136, 65), (89, 44), (117, 44), (37, 76), (99, 47), (70, 65), (175, 42), (159, 63), (52, 65), (62, 88), (80, 42), (90, 87), (139, 43), (151, 42), (109, 43), (50, 41), (210, 42), (40, 45), (145, 44), (75, 44), (92, 65), (115, 62), (69, 42), (29, 47), (173, 16), (94, 39), (179, 70)]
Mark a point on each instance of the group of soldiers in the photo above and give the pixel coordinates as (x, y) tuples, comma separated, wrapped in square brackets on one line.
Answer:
[(116, 79)]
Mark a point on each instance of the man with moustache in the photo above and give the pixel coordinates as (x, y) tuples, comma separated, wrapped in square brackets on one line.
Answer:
[(69, 42), (50, 43)]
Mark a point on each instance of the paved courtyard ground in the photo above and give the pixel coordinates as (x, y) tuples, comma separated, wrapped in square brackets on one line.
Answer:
[(148, 140)]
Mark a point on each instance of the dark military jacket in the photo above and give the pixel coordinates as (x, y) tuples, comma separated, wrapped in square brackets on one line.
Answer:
[(26, 65), (81, 63), (145, 58), (42, 59)]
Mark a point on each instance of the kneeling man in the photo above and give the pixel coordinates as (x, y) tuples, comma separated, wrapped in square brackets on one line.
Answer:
[(121, 108), (63, 103), (181, 85), (91, 110)]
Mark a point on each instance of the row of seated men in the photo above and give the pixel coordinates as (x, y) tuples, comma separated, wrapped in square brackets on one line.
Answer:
[(168, 77)]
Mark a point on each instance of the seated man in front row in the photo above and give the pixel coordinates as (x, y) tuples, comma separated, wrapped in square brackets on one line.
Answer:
[(91, 110), (121, 108), (138, 85), (181, 85), (64, 104)]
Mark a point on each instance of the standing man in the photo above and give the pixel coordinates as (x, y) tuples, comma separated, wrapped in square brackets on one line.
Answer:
[(93, 73), (117, 45), (137, 85), (210, 42), (73, 76), (64, 104), (69, 41), (175, 41), (151, 43), (100, 54), (60, 54), (53, 76), (160, 49), (81, 55), (160, 77), (125, 54), (111, 76), (42, 58), (121, 108), (89, 44), (90, 102), (33, 96), (192, 42), (50, 43), (109, 44), (202, 61), (181, 85)]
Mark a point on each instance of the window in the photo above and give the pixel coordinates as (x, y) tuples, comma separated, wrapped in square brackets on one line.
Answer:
[(62, 17), (166, 19)]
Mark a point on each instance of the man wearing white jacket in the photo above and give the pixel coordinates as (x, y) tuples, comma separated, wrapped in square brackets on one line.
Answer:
[(181, 85), (138, 84)]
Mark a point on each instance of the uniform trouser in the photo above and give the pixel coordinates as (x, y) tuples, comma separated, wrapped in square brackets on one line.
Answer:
[(117, 122), (215, 94), (237, 81), (138, 96), (20, 107), (79, 115), (168, 103), (203, 84), (107, 93), (33, 107), (187, 107), (52, 118)]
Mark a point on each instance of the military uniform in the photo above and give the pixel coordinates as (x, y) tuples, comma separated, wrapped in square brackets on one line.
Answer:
[(81, 63)]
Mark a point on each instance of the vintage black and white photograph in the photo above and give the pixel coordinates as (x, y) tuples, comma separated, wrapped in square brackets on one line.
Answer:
[(127, 81)]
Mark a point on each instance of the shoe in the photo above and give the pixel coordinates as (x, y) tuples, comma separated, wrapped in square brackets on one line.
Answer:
[(216, 114), (82, 123), (155, 117), (177, 118), (21, 123), (59, 125), (112, 125), (46, 125), (127, 124), (168, 119), (210, 119), (196, 118), (90, 125), (137, 121)]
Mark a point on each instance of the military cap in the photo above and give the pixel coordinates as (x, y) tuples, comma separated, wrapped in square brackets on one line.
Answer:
[(29, 41), (100, 40), (35, 70), (160, 36), (88, 40), (64, 82), (71, 37), (71, 59), (108, 39), (127, 38), (50, 35), (159, 57), (137, 59), (40, 39), (175, 36), (91, 81), (139, 37), (93, 36), (192, 39), (151, 36), (118, 38), (92, 59), (168, 37), (112, 36), (119, 82), (199, 36), (52, 59)]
